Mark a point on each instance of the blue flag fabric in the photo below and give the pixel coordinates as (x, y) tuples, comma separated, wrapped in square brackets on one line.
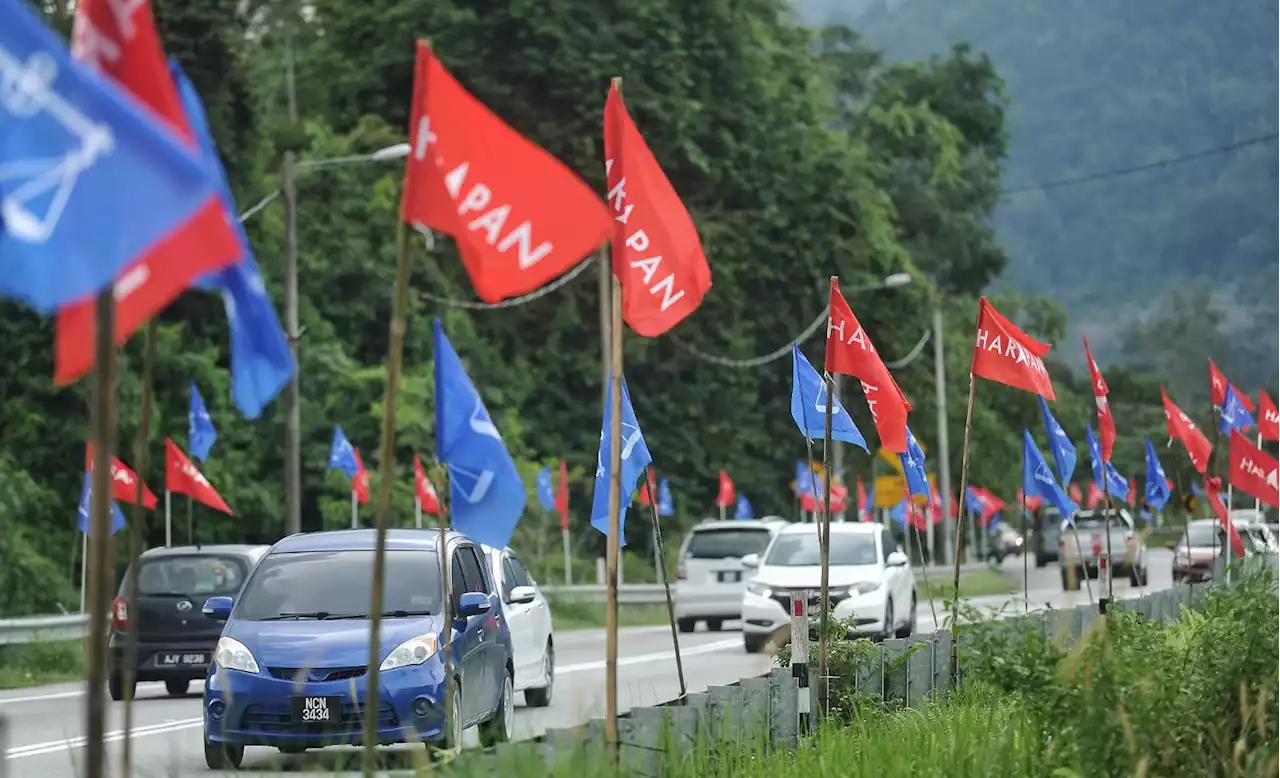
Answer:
[(89, 180), (546, 492), (973, 502), (341, 455), (1234, 415), (261, 361), (1063, 450), (200, 432), (86, 501), (809, 405), (806, 481), (1157, 491), (486, 494), (635, 458), (666, 506), (1116, 484), (899, 512), (1038, 480), (913, 466), (743, 511)]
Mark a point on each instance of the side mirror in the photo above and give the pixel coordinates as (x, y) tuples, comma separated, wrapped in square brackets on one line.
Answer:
[(896, 559), (751, 561), (218, 608), (1172, 546), (520, 595), (473, 604)]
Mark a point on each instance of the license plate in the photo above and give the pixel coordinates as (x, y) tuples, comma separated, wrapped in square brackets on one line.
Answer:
[(316, 710), (182, 660), (729, 576)]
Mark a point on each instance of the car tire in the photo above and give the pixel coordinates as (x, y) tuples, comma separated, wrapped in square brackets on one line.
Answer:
[(1138, 576), (116, 687), (221, 756), (452, 739), (1070, 583), (754, 644), (293, 750), (177, 688), (1041, 561), (686, 625), (714, 625), (541, 697), (501, 728), (889, 629), (910, 626)]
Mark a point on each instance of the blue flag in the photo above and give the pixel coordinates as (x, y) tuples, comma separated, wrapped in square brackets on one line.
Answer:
[(973, 501), (743, 511), (913, 467), (806, 481), (1157, 492), (635, 458), (1234, 415), (1116, 484), (89, 180), (1064, 451), (200, 432), (1038, 480), (546, 492), (261, 362), (666, 506), (341, 455), (485, 490), (809, 405), (1196, 490), (86, 501)]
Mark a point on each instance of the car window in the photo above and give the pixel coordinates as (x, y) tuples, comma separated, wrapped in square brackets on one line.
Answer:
[(887, 543), (339, 583), (203, 575), (1204, 536), (521, 572), (801, 550), (1095, 522), (726, 543), (509, 580), (472, 571)]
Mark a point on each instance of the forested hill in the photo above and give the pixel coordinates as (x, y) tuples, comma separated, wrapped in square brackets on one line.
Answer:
[(1101, 86)]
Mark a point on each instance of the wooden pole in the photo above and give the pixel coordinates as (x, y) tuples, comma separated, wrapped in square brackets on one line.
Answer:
[(666, 584), (387, 466), (615, 503), (1026, 523), (446, 600), (964, 486), (824, 545), (191, 523)]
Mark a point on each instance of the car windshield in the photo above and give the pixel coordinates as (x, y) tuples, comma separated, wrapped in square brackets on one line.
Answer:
[(801, 550), (1094, 521), (338, 584), (1204, 536), (726, 543), (204, 575)]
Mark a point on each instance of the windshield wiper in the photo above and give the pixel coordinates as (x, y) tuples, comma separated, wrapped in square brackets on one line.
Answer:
[(402, 614), (320, 615)]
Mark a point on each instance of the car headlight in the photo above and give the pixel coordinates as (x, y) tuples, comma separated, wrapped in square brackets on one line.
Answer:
[(231, 654), (414, 651), (760, 589), (864, 587)]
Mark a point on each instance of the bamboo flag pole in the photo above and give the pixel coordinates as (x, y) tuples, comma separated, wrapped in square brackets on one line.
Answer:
[(1106, 524), (666, 584), (964, 487), (395, 359), (446, 605), (615, 503), (824, 545), (1026, 539)]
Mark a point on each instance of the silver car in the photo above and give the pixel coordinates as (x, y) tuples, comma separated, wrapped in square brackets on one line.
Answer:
[(1128, 553)]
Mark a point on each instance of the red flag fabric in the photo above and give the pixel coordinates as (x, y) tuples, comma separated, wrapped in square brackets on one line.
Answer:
[(1004, 354), (935, 503), (1181, 427), (1268, 418), (1033, 503), (518, 215), (991, 504), (657, 255), (562, 496), (1106, 422), (839, 498), (1095, 496), (1218, 384), (120, 39), (1212, 490), (181, 476), (124, 481), (850, 352), (1254, 471), (642, 495), (1132, 496), (360, 481), (726, 498), (864, 508), (1074, 492), (423, 489)]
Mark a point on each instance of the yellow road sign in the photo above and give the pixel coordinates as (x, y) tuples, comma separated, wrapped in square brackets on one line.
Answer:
[(891, 488), (892, 459)]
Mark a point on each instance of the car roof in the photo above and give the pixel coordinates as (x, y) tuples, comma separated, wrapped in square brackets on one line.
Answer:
[(363, 540), (840, 527), (714, 525), (1092, 513), (225, 549)]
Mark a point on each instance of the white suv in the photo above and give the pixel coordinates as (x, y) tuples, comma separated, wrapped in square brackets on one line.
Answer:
[(710, 574)]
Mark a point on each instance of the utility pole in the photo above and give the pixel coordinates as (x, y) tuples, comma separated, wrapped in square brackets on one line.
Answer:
[(293, 394), (944, 446)]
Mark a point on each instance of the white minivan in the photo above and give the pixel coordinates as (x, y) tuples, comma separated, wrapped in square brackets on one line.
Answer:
[(528, 616), (710, 575)]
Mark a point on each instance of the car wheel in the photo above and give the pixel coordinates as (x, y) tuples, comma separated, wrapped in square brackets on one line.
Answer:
[(686, 625), (177, 688), (909, 627), (541, 698), (116, 687), (714, 625), (1041, 561), (501, 728), (453, 724), (220, 756), (1138, 576), (888, 630), (293, 749), (754, 644)]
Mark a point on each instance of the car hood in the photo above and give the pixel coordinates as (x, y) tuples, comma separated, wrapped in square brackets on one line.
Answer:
[(810, 577), (319, 644)]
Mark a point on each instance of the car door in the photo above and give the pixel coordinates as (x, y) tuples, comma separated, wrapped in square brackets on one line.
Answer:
[(539, 618), (520, 617), (897, 579), (482, 630)]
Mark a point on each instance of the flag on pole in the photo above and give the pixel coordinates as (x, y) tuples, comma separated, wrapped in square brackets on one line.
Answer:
[(1181, 427), (1106, 422), (342, 455), (1254, 471), (1268, 418), (1218, 385), (849, 351), (809, 406), (424, 490), (1116, 484), (1157, 490), (1064, 451), (913, 467), (181, 476), (634, 459), (743, 509), (1234, 416), (545, 491), (1004, 354), (360, 481), (200, 432), (725, 497), (124, 481), (1212, 490), (83, 521), (666, 506), (1038, 480), (562, 496)]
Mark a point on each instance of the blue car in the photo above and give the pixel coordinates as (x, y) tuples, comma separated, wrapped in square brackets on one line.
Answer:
[(289, 669)]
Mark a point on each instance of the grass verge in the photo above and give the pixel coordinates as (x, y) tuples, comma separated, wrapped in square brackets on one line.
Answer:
[(979, 583), (35, 664), (579, 614)]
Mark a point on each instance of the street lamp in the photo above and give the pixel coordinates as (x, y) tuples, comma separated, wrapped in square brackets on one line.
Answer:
[(896, 280)]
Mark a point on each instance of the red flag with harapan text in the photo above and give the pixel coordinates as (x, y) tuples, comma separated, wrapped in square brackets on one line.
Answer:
[(518, 215), (120, 39), (1254, 471), (1181, 427), (562, 496), (1212, 490), (1268, 418), (1106, 422), (726, 498), (1004, 354), (181, 476), (124, 481), (424, 490), (657, 255), (850, 352), (1218, 384)]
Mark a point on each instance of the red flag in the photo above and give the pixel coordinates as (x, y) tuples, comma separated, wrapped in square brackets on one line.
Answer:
[(1182, 428), (562, 496), (935, 503), (1095, 496), (1074, 492), (1253, 471), (124, 482), (1004, 354), (864, 508), (850, 352), (423, 489), (518, 215), (1212, 487), (725, 499), (991, 504), (360, 481), (1268, 418), (1217, 385), (839, 498), (1033, 503), (657, 255), (181, 476), (1106, 422), (643, 494), (120, 39), (1132, 494)]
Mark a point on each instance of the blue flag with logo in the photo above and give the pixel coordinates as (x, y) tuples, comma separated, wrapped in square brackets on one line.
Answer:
[(1063, 450), (1157, 491), (809, 405), (635, 458), (546, 492), (200, 432), (261, 361), (743, 510), (341, 455), (86, 502), (913, 466), (89, 180), (1116, 484), (666, 506), (486, 494), (1038, 480), (1235, 416)]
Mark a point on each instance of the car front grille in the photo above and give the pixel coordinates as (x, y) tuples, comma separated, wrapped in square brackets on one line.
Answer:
[(278, 720), (316, 674), (783, 597)]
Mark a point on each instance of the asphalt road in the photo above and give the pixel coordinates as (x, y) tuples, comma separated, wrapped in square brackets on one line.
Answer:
[(46, 723)]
